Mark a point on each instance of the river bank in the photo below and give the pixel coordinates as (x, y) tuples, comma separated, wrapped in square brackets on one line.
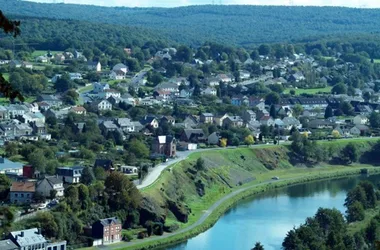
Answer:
[(209, 217)]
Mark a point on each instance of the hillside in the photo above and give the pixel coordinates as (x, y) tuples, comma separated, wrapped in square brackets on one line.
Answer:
[(234, 25)]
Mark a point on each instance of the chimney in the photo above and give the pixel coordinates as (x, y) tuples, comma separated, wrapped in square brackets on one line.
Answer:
[(22, 234), (39, 231)]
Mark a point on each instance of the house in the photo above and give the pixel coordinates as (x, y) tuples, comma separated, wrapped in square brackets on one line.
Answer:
[(267, 120), (52, 100), (79, 110), (68, 55), (8, 245), (297, 77), (42, 59), (219, 119), (48, 185), (96, 66), (100, 87), (106, 164), (168, 119), (233, 121), (164, 145), (244, 75), (28, 239), (7, 166), (126, 125), (117, 75), (129, 170), (248, 116), (290, 122), (15, 64), (149, 120), (224, 78), (107, 231), (364, 110), (101, 105), (169, 87), (59, 58), (38, 128), (320, 124), (209, 91), (22, 192), (70, 174), (120, 67), (213, 139), (108, 126), (207, 118), (109, 93), (278, 123), (75, 76), (360, 120), (58, 114), (364, 130), (190, 122), (27, 65), (193, 135)]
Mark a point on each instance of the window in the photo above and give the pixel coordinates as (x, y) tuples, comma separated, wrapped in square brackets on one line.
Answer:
[(28, 195), (16, 195), (22, 195)]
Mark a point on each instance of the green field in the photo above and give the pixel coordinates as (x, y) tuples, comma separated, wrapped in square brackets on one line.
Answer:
[(376, 60), (309, 91), (38, 53)]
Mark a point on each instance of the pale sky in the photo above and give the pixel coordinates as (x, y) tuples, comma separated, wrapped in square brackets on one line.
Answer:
[(176, 3)]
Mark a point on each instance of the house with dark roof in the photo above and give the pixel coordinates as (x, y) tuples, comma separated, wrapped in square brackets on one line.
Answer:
[(149, 120), (22, 192), (107, 231), (106, 164), (50, 184), (165, 145), (96, 66), (207, 118), (193, 135), (70, 174), (52, 100)]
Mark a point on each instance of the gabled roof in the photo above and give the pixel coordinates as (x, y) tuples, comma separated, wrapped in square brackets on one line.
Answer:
[(109, 221), (23, 187), (105, 163), (7, 245), (52, 180)]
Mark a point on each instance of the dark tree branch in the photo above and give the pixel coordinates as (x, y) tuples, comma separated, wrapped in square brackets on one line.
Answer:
[(12, 27)]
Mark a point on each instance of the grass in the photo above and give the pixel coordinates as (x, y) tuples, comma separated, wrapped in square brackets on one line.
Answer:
[(6, 76), (309, 91), (86, 89), (358, 226), (38, 53)]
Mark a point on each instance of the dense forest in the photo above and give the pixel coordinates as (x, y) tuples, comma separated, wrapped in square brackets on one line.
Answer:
[(235, 25)]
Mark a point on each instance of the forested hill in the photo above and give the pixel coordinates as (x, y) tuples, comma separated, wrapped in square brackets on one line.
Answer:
[(234, 25)]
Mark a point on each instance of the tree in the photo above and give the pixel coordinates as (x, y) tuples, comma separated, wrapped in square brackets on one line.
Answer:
[(64, 83), (223, 142), (350, 153), (12, 27), (138, 148), (297, 110), (200, 164), (339, 89), (11, 149), (272, 98), (273, 111), (5, 183), (38, 160), (374, 120), (184, 54), (264, 50), (355, 212), (347, 108), (87, 176), (249, 140), (72, 197), (328, 112), (335, 134), (258, 246)]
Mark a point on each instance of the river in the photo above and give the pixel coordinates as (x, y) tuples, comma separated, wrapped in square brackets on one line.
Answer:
[(269, 216)]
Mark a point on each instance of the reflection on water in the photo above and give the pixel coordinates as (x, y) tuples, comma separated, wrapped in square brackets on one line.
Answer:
[(268, 217)]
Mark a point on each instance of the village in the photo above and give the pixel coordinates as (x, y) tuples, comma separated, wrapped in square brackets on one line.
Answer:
[(167, 115)]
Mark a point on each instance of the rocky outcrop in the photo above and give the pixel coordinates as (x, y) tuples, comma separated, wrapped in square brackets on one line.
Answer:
[(180, 211), (150, 210)]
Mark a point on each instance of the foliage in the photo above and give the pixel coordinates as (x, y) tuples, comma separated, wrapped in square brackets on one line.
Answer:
[(223, 142), (350, 153), (355, 212), (249, 140), (87, 176), (258, 246), (200, 164)]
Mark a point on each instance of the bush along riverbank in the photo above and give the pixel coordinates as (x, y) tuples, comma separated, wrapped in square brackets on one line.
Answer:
[(230, 200)]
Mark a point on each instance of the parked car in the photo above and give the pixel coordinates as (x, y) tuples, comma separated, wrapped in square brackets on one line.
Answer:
[(275, 178)]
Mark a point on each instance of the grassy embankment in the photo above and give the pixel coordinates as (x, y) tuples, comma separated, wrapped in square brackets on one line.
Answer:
[(227, 172)]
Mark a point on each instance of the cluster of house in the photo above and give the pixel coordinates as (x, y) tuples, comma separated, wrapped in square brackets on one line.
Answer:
[(28, 239), (103, 232)]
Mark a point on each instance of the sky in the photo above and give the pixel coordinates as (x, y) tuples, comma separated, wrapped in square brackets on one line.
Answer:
[(176, 3)]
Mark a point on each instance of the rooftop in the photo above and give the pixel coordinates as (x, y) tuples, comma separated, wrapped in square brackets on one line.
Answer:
[(28, 237), (23, 187)]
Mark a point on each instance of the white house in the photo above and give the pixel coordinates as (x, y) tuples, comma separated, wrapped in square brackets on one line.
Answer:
[(94, 66), (117, 75), (108, 93), (120, 67), (102, 105), (209, 91), (48, 184), (129, 170), (360, 120), (100, 87)]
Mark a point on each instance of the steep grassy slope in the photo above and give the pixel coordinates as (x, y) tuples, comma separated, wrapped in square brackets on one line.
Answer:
[(182, 193), (235, 25)]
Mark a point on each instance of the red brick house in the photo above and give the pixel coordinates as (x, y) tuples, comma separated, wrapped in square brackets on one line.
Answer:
[(165, 145), (107, 230)]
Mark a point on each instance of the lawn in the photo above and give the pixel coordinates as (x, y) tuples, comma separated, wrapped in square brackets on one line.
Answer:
[(6, 76), (309, 91), (38, 53)]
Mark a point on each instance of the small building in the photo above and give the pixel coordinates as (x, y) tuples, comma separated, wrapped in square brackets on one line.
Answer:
[(32, 239), (101, 105), (360, 120), (7, 166), (106, 164), (70, 174), (8, 245), (22, 192), (107, 231), (79, 110), (129, 170), (193, 135), (48, 184), (96, 66)]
